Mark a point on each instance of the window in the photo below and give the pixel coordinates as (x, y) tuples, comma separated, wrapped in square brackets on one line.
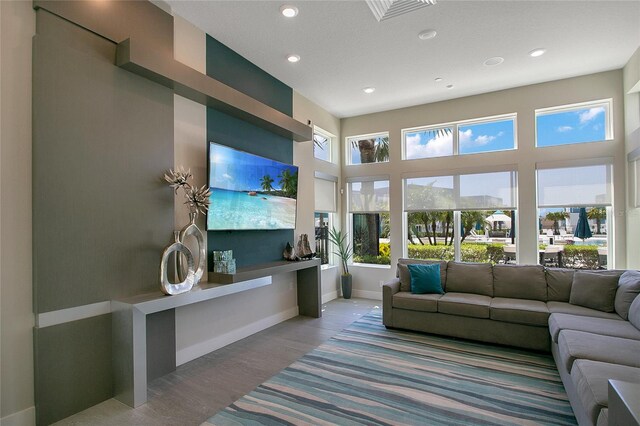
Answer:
[(468, 217), (323, 223), (428, 142), (369, 209), (368, 149), (322, 145), (578, 123), (486, 136), (463, 137), (325, 207), (573, 216)]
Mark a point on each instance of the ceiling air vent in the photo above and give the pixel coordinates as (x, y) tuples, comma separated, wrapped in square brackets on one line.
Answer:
[(385, 9)]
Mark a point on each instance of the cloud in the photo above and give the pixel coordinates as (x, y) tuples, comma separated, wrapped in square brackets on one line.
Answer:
[(467, 140), (438, 146), (227, 176), (590, 114), (563, 129)]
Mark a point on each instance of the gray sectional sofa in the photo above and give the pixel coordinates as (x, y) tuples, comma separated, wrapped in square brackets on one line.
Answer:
[(588, 320)]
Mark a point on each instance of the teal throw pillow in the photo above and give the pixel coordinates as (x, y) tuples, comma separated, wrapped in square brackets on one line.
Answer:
[(425, 278)]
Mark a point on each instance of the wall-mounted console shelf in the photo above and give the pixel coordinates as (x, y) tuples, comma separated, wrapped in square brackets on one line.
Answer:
[(132, 351), (191, 84)]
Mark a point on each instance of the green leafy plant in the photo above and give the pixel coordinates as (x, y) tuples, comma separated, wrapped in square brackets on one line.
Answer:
[(343, 248), (580, 257)]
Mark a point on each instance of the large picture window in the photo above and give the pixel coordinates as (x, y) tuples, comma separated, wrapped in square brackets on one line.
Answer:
[(574, 216), (369, 214), (467, 217), (578, 123), (365, 149)]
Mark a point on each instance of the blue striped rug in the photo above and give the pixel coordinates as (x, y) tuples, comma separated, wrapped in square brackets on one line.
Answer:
[(370, 375)]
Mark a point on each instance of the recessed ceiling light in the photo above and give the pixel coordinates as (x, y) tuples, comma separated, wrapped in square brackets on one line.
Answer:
[(496, 60), (438, 79), (293, 58), (427, 34), (289, 11), (449, 86), (368, 90), (537, 52)]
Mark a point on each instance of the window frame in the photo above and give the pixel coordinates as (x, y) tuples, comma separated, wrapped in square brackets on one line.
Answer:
[(330, 144), (347, 145), (608, 121), (455, 126)]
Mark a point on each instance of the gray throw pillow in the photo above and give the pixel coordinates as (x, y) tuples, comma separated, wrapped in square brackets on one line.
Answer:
[(628, 289), (595, 290), (405, 276), (476, 278), (520, 282), (634, 313), (559, 284)]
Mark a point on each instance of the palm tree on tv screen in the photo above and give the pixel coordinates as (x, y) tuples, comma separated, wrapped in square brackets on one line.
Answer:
[(266, 183), (289, 183)]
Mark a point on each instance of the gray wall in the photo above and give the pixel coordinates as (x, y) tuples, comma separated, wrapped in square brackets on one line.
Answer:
[(102, 139)]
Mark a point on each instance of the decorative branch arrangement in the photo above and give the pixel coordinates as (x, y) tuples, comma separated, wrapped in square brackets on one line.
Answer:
[(197, 198)]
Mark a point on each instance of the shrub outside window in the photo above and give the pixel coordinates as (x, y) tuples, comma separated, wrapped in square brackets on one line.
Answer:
[(365, 149), (578, 123)]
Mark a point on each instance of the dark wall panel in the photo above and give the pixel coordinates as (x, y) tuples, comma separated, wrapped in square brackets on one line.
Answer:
[(102, 137), (227, 66), (249, 247), (73, 367)]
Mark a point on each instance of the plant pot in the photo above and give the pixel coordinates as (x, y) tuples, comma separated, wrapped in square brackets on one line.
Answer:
[(345, 283)]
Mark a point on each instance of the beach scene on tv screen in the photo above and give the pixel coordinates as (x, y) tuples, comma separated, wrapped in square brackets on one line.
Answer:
[(250, 192)]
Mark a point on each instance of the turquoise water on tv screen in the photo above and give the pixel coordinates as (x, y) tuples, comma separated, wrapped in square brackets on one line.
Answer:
[(238, 210)]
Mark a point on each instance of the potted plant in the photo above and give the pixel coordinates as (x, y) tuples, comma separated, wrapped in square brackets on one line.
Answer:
[(344, 253)]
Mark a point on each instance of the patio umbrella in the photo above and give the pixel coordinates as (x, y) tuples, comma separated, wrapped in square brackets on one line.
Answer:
[(582, 230)]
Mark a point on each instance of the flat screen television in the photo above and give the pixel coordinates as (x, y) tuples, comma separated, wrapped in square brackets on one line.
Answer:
[(249, 192)]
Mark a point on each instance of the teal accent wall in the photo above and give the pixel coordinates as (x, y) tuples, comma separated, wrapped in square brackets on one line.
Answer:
[(230, 68), (249, 247)]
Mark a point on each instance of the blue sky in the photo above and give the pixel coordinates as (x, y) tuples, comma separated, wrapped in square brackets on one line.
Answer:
[(240, 171), (561, 128), (472, 138)]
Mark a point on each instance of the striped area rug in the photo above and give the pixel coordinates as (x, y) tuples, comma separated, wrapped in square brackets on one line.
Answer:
[(370, 375)]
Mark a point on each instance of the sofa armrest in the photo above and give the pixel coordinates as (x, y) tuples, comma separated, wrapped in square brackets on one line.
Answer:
[(388, 290)]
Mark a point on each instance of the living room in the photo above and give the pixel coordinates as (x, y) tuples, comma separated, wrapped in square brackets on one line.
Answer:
[(85, 215)]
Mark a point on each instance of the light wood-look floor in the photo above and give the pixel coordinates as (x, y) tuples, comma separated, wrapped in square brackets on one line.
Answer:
[(200, 388)]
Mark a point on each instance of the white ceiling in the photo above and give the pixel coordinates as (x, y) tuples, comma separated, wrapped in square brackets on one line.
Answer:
[(344, 49)]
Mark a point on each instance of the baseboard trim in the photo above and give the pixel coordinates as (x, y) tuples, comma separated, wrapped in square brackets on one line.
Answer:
[(328, 297), (21, 418), (366, 294), (196, 351)]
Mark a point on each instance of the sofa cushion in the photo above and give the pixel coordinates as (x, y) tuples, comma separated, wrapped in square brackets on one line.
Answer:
[(628, 289), (595, 290), (559, 284), (402, 271), (416, 302), (476, 278), (591, 383), (573, 345), (520, 282), (425, 279), (519, 311), (603, 326), (465, 304), (634, 313), (567, 308)]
